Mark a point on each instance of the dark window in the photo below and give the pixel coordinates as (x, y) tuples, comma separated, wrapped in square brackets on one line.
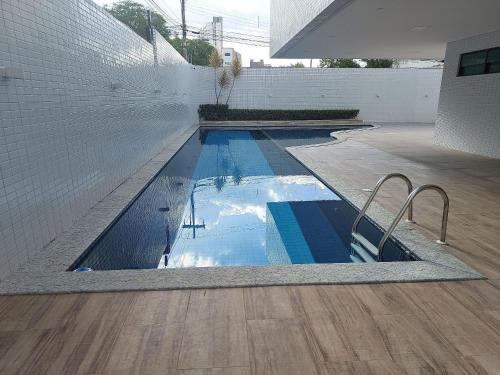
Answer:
[(227, 54), (480, 62), (493, 61)]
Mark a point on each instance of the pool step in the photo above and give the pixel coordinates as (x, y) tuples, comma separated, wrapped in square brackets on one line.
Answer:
[(366, 244), (323, 240), (361, 253)]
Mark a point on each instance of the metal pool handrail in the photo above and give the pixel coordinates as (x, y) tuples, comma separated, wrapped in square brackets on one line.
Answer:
[(409, 200), (377, 187)]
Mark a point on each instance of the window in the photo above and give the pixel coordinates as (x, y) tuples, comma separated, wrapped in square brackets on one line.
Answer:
[(227, 54), (493, 61), (480, 62)]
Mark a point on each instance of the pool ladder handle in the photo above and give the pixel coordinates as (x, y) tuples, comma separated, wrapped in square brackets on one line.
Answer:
[(408, 206), (361, 244), (409, 200)]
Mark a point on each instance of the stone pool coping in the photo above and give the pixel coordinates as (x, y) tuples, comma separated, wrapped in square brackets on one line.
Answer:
[(46, 273), (278, 124)]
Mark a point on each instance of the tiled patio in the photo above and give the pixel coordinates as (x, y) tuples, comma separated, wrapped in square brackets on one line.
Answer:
[(418, 328)]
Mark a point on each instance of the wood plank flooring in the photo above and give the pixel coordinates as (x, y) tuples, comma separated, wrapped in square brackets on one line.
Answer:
[(431, 328), (420, 328)]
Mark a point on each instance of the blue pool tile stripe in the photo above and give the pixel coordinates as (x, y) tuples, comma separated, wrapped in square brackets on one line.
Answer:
[(279, 160), (275, 251), (228, 152), (290, 232), (324, 243)]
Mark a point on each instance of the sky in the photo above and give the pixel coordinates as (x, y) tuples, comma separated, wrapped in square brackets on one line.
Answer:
[(249, 18)]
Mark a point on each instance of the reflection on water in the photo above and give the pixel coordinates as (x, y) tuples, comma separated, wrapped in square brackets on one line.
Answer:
[(230, 198), (235, 219), (232, 204)]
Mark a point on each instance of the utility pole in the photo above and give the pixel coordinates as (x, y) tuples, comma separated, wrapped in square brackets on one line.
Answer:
[(150, 28), (184, 31)]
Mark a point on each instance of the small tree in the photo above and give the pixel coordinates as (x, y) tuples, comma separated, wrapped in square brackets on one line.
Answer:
[(223, 80), (381, 63), (135, 16), (215, 61), (338, 63), (199, 50), (297, 65), (236, 69)]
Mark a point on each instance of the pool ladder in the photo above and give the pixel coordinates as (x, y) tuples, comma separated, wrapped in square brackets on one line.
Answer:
[(365, 251)]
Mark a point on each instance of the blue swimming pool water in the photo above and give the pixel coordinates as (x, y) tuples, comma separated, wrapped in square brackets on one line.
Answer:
[(233, 197)]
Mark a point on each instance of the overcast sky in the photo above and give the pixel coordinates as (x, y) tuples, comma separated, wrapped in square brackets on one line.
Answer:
[(249, 17)]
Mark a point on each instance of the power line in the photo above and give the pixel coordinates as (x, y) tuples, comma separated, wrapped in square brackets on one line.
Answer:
[(203, 9), (231, 19), (235, 34), (173, 13), (165, 15), (229, 36), (226, 36), (175, 21), (242, 35), (248, 35), (239, 25)]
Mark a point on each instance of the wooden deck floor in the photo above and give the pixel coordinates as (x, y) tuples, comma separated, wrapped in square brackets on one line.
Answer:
[(422, 328)]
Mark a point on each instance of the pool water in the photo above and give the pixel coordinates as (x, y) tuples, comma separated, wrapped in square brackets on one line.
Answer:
[(234, 197)]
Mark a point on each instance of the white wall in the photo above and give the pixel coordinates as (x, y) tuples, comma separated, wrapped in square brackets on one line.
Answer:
[(469, 107), (67, 138), (385, 95)]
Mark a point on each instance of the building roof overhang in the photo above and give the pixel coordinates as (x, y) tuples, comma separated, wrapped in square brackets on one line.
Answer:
[(378, 28)]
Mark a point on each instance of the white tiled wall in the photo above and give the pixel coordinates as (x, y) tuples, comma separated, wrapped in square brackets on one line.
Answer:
[(288, 17), (469, 107), (90, 108), (385, 95)]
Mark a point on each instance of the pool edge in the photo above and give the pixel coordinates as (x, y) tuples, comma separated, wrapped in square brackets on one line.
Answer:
[(46, 274)]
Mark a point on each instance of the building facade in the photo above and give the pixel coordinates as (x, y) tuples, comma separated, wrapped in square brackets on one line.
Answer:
[(228, 56), (469, 105), (259, 64)]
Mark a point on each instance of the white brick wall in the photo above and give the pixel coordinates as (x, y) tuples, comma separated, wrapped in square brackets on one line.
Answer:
[(385, 95), (469, 107), (67, 137)]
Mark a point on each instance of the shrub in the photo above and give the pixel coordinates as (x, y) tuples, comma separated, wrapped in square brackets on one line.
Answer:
[(211, 112)]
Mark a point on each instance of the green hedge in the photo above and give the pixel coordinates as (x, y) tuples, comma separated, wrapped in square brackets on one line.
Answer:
[(212, 112)]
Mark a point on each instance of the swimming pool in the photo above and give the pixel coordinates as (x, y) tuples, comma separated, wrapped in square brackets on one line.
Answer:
[(234, 197)]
